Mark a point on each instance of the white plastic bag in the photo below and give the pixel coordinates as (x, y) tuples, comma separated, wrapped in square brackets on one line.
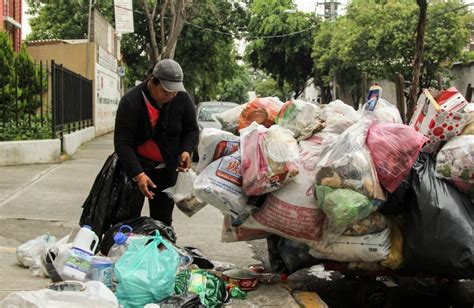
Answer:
[(29, 254), (270, 158), (214, 144), (339, 117), (229, 119), (94, 295), (385, 112), (455, 160), (182, 193), (301, 117)]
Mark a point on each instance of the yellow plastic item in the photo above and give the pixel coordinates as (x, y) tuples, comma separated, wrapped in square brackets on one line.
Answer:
[(395, 257)]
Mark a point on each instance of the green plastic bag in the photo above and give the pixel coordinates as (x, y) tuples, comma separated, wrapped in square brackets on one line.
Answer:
[(343, 207), (146, 272), (210, 288)]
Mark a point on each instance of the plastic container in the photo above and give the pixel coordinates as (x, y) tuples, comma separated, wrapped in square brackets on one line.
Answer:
[(102, 269), (80, 255), (122, 240)]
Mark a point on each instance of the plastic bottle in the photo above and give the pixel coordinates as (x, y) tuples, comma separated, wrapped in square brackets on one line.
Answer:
[(79, 256), (122, 240)]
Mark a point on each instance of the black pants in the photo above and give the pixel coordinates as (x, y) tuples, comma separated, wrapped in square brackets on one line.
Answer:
[(161, 207)]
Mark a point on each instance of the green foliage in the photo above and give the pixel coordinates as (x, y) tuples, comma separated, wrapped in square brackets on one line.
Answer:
[(379, 39), (208, 58), (267, 86), (285, 58), (26, 129), (236, 89)]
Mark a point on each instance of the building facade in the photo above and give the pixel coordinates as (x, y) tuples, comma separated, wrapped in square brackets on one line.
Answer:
[(10, 20)]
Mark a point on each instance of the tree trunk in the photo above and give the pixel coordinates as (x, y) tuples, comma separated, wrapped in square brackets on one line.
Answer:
[(178, 16), (150, 17), (418, 57)]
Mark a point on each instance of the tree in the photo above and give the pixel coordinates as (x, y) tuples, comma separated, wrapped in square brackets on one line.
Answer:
[(358, 42), (280, 42), (267, 86), (236, 89)]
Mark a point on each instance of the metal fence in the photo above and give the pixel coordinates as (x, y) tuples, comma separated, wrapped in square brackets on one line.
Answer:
[(71, 100), (52, 102)]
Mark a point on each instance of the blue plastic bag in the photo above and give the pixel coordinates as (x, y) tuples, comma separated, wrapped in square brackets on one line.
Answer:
[(146, 272)]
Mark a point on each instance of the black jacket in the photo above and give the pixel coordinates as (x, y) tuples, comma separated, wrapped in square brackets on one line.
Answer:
[(176, 130)]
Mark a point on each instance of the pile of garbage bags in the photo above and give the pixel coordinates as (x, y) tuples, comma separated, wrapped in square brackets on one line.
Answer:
[(347, 185)]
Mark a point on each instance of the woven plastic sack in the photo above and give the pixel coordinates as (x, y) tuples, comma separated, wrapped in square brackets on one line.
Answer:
[(182, 193), (339, 117), (394, 149), (301, 117), (270, 158), (146, 272), (261, 110), (214, 144), (220, 185), (455, 160)]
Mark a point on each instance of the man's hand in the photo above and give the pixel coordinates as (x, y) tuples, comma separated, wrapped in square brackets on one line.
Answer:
[(184, 162), (143, 181)]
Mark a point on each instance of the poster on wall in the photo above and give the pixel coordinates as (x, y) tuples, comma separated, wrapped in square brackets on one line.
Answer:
[(108, 97)]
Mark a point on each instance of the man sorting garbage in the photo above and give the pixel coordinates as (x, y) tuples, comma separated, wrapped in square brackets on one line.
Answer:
[(155, 132)]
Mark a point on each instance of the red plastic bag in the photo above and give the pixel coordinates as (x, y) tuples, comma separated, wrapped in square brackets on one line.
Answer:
[(394, 149)]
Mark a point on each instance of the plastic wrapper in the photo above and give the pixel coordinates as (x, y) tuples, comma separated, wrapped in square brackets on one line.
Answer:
[(230, 119), (239, 233), (220, 185), (385, 112), (182, 194), (111, 197), (367, 248), (211, 289), (270, 158), (94, 294), (343, 207), (214, 144), (146, 272), (373, 223), (339, 117), (438, 225), (302, 118), (185, 300), (455, 160), (260, 110), (394, 149), (347, 163), (469, 127)]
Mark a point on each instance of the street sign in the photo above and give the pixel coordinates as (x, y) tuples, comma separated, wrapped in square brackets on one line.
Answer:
[(121, 71), (123, 16)]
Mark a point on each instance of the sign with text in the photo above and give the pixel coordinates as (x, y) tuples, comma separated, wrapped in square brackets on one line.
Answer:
[(123, 16)]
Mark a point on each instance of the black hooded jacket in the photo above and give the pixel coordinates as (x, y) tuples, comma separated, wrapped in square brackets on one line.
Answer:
[(175, 132)]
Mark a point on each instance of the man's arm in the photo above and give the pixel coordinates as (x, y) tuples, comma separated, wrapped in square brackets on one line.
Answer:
[(126, 126)]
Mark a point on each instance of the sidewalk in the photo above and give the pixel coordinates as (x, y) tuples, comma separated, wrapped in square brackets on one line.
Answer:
[(36, 199)]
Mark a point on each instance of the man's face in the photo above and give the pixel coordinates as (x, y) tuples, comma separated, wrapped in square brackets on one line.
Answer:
[(160, 95)]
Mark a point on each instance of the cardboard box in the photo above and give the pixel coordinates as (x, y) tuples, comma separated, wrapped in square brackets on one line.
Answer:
[(439, 116)]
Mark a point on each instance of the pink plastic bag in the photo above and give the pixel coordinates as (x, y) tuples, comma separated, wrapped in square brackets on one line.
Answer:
[(394, 149)]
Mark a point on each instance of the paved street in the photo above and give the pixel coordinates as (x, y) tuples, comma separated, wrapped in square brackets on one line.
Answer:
[(36, 199)]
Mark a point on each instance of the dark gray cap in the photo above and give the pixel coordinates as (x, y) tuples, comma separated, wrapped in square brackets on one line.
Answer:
[(170, 74)]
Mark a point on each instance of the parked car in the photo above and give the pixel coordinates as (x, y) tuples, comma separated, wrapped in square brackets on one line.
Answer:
[(205, 112)]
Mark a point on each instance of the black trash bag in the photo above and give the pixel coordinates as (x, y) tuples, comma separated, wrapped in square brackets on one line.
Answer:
[(439, 222), (199, 258), (395, 203), (186, 300), (141, 225), (111, 198), (295, 255)]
